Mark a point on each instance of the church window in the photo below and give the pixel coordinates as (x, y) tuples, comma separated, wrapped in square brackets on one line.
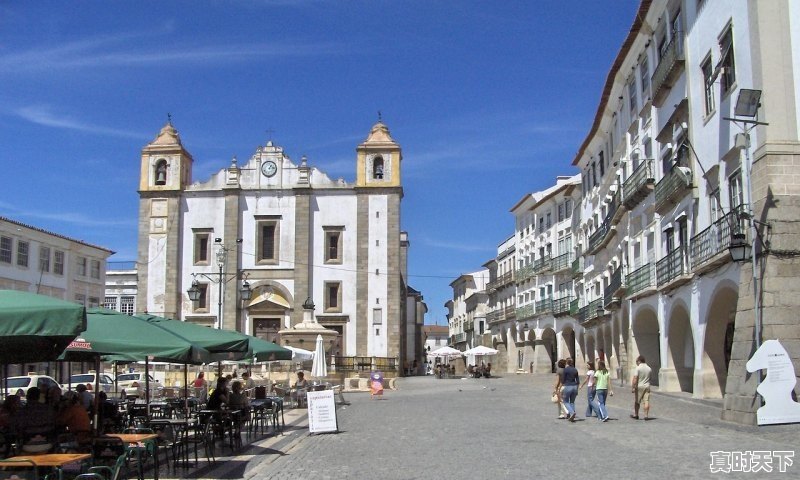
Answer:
[(95, 269), (333, 244), (268, 241), (5, 249), (377, 168), (161, 172), (201, 305), (58, 262), (201, 247), (44, 259), (333, 297)]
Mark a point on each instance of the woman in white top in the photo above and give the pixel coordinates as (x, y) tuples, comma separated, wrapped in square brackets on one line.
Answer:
[(590, 391)]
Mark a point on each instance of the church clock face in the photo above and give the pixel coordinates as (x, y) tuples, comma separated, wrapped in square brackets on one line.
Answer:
[(269, 169)]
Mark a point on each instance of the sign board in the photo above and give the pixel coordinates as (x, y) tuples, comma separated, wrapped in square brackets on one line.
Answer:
[(777, 386), (321, 412)]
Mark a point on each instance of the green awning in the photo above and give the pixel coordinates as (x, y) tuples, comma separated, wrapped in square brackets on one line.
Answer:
[(113, 334), (222, 344), (263, 351), (36, 328)]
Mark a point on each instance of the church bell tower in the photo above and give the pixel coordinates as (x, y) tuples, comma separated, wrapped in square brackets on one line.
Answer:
[(378, 159)]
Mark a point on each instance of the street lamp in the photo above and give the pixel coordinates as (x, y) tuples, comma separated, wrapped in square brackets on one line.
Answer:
[(739, 248), (220, 278)]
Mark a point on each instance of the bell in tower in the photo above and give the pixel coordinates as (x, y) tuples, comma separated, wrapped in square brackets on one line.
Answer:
[(379, 158)]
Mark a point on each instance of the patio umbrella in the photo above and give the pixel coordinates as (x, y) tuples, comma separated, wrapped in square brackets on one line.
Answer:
[(479, 351), (221, 344), (319, 369), (300, 354), (265, 351), (36, 328), (446, 352)]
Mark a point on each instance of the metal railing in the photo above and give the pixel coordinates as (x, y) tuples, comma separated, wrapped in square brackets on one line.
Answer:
[(541, 264), (670, 59), (614, 286), (523, 273), (525, 311), (613, 209), (562, 262), (668, 187), (544, 306), (459, 337), (500, 281), (574, 307), (577, 266), (562, 305), (715, 239), (596, 238), (365, 364), (672, 266), (635, 189), (501, 315), (591, 311), (641, 279)]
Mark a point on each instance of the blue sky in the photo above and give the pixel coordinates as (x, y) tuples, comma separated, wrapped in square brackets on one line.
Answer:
[(489, 100)]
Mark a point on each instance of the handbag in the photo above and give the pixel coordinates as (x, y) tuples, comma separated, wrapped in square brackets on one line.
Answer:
[(554, 398)]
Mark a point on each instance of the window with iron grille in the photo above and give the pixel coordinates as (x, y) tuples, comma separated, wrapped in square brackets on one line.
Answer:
[(110, 303), (126, 304)]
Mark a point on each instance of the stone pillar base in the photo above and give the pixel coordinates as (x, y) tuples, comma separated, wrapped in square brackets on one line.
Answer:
[(541, 359)]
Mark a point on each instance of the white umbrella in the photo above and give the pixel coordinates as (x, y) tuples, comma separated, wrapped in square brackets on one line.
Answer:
[(480, 350), (446, 352), (319, 369)]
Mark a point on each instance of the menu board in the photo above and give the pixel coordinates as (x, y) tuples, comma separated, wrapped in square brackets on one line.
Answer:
[(321, 412)]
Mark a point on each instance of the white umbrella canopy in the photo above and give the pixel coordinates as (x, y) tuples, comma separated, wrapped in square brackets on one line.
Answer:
[(446, 352), (480, 350), (319, 369)]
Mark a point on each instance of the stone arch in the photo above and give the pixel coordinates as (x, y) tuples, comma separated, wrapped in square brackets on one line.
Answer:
[(680, 350), (567, 347), (548, 343), (718, 340), (647, 341)]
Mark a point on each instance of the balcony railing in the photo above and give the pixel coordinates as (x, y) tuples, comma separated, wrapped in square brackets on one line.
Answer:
[(562, 262), (641, 279), (542, 264), (613, 292), (674, 183), (469, 326), (574, 307), (668, 69), (615, 210), (460, 337), (561, 305), (639, 185), (500, 281), (605, 231), (525, 312), (672, 266), (544, 306), (501, 315), (577, 266), (715, 239), (591, 311), (523, 273)]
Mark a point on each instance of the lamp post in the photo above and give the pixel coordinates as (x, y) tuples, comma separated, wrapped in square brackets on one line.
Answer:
[(747, 104), (220, 278)]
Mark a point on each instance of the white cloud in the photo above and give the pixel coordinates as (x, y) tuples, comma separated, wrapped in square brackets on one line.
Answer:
[(72, 218), (43, 115)]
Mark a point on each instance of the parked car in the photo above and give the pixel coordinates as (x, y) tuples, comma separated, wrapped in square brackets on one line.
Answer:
[(88, 379), (20, 385), (133, 385)]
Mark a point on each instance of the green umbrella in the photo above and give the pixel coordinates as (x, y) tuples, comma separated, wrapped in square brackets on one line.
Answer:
[(36, 328), (122, 336), (222, 344), (263, 350)]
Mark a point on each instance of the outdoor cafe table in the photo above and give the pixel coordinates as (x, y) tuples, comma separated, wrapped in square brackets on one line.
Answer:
[(181, 426), (144, 438), (52, 460), (260, 402), (227, 419)]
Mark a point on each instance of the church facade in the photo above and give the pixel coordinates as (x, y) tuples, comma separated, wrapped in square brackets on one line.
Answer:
[(286, 232)]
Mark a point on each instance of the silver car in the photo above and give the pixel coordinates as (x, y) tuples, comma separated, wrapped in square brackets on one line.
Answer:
[(133, 385)]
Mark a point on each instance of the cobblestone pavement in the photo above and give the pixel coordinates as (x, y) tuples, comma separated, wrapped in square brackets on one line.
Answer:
[(504, 428)]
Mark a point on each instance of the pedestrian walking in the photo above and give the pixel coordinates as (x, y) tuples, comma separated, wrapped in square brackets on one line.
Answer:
[(602, 389), (641, 388), (589, 383), (569, 390), (562, 410)]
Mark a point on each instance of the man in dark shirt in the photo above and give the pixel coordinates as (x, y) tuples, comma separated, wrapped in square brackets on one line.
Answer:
[(570, 381), (35, 423)]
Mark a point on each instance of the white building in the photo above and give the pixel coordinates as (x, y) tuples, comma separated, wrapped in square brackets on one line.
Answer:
[(121, 287), (467, 310), (38, 261), (289, 231), (501, 304)]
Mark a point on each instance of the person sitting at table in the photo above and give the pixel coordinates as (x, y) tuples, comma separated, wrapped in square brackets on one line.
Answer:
[(52, 396), (75, 418), (108, 418), (237, 400), (7, 411), (300, 388), (87, 400), (249, 384), (35, 424), (219, 396), (488, 372)]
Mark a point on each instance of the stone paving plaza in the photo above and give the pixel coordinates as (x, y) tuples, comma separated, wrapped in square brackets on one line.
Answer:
[(502, 428)]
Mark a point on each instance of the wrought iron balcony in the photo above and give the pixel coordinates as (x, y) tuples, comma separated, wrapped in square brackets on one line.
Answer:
[(523, 273), (672, 267), (615, 289), (542, 264), (639, 184), (674, 184), (469, 326), (591, 311), (709, 248), (459, 337), (544, 306), (501, 315), (561, 305), (641, 280), (615, 209), (500, 281), (574, 307), (524, 312), (562, 262), (577, 266), (604, 233), (668, 69)]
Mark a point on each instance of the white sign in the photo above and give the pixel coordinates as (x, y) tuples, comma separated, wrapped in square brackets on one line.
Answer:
[(777, 386), (321, 412)]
